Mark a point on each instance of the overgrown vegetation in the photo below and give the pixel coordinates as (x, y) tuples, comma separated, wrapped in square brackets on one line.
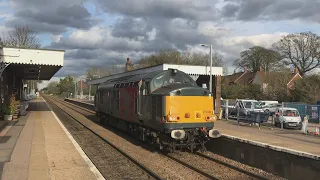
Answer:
[(63, 88), (241, 91), (307, 90)]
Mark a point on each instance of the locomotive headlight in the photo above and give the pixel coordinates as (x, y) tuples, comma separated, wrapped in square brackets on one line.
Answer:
[(178, 134), (173, 118), (211, 118), (214, 133)]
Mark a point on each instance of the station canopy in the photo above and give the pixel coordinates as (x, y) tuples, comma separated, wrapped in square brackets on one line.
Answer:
[(193, 71), (31, 64)]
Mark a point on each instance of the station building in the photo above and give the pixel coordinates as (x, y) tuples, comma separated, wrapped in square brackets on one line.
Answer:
[(18, 65)]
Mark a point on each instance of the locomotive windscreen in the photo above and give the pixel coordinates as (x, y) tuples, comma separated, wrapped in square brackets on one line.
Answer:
[(169, 77)]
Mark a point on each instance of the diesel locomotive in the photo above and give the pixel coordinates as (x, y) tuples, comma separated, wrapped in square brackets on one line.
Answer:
[(164, 107)]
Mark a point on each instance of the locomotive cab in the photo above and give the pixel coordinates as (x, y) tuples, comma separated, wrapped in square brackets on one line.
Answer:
[(180, 108)]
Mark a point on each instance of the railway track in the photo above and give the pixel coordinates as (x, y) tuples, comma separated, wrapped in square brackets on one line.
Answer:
[(251, 174), (112, 162), (209, 167), (212, 168)]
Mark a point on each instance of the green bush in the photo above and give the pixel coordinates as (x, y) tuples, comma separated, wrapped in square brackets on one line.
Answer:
[(7, 110)]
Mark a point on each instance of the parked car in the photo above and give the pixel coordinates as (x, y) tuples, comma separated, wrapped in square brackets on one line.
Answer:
[(271, 108), (289, 116), (245, 106)]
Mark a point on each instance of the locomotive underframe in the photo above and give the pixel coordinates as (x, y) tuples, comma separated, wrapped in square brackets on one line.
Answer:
[(194, 137)]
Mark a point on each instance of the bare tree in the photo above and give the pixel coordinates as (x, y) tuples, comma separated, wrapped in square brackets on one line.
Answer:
[(301, 50), (161, 57), (172, 56), (202, 59), (277, 88), (307, 90), (21, 37)]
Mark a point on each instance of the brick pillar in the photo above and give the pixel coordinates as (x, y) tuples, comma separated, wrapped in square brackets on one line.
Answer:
[(218, 94)]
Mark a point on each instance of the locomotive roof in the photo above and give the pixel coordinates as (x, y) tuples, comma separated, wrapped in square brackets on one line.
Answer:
[(129, 79), (191, 70), (132, 78)]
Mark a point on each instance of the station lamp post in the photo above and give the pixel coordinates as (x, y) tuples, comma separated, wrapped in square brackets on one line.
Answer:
[(210, 83)]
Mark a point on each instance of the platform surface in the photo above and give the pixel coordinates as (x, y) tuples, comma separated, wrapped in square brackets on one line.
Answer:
[(44, 150), (291, 141), (86, 101)]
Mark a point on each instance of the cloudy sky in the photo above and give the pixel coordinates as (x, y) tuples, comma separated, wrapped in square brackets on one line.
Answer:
[(105, 32)]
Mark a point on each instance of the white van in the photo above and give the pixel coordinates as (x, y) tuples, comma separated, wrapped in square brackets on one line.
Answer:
[(264, 103), (289, 116)]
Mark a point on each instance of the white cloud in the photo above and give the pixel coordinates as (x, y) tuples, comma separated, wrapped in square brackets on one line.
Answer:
[(90, 37), (210, 29), (56, 38), (45, 83), (4, 30), (145, 26), (265, 40)]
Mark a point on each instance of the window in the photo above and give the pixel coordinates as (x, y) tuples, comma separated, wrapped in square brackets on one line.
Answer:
[(247, 105), (256, 105), (292, 113), (167, 77), (159, 81), (147, 88)]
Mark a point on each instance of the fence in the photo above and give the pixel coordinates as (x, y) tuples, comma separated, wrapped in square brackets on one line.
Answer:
[(87, 97), (313, 111), (242, 115)]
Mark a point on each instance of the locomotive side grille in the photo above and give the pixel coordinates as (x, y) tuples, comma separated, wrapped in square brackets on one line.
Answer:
[(154, 107), (159, 106)]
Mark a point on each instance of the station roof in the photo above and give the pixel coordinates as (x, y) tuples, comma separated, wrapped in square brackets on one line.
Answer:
[(32, 64), (188, 69)]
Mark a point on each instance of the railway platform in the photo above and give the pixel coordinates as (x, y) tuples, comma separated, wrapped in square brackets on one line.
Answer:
[(85, 101), (39, 147), (288, 141)]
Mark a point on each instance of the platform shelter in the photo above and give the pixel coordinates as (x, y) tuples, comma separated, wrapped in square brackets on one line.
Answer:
[(18, 65)]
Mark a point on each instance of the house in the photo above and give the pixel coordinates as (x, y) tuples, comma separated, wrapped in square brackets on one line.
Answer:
[(296, 76), (238, 78), (263, 78), (82, 85)]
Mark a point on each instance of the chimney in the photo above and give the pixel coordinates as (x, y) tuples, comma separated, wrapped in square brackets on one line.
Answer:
[(296, 70), (245, 70), (129, 65), (234, 71), (260, 69)]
